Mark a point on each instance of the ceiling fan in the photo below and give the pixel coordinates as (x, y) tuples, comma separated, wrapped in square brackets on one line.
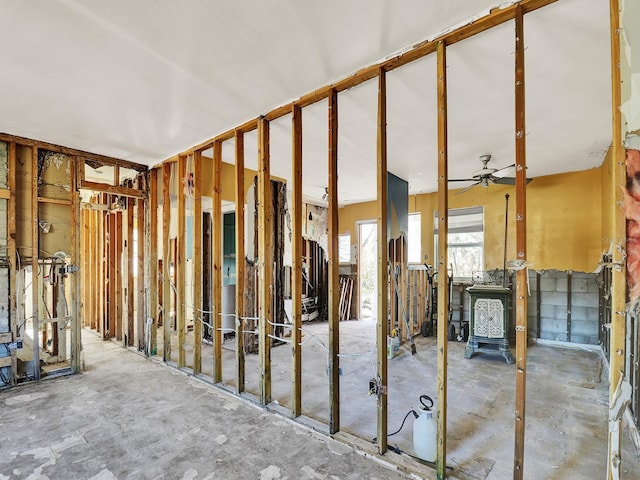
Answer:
[(486, 175)]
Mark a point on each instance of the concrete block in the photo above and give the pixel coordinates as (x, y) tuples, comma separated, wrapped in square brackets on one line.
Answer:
[(547, 284), (561, 313), (547, 311), (579, 285), (585, 300), (592, 287), (561, 284), (579, 313), (554, 298)]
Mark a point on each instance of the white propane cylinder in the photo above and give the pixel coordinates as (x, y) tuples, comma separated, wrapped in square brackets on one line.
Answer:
[(424, 436)]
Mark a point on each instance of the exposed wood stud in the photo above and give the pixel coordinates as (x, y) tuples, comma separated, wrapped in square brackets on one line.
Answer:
[(296, 273), (382, 327), (118, 275), (216, 250), (153, 258), (12, 254), (76, 284), (443, 261), (128, 340), (240, 259), (197, 263), (521, 247), (166, 262), (141, 274), (265, 261), (618, 346), (180, 265), (35, 253), (333, 265)]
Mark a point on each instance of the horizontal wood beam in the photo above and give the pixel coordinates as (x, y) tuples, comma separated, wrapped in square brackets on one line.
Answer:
[(113, 189)]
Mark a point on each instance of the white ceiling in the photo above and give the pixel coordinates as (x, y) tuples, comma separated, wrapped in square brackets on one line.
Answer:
[(143, 80)]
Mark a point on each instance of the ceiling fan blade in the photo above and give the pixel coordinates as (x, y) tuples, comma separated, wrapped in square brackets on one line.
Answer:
[(467, 188), (504, 180), (507, 180), (504, 168), (462, 180)]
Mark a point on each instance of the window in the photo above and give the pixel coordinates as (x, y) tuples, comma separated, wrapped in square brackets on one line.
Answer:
[(414, 240), (344, 248), (466, 241)]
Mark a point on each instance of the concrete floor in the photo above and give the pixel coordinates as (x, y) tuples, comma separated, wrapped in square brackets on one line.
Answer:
[(566, 428), (127, 417)]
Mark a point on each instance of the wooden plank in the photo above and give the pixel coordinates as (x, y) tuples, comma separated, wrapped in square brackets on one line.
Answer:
[(12, 251), (113, 189), (265, 261), (216, 249), (166, 261), (296, 253), (153, 258), (197, 262), (6, 337), (111, 272), (443, 260), (102, 248), (180, 265), (35, 253), (521, 247), (55, 201), (382, 329), (618, 346), (495, 17), (5, 193), (140, 281), (334, 266), (5, 362), (130, 287), (240, 260)]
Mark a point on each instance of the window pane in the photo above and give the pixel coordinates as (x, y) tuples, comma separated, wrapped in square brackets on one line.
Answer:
[(466, 261), (344, 248), (414, 241)]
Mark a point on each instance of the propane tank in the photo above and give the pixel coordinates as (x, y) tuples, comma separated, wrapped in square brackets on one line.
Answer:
[(424, 431)]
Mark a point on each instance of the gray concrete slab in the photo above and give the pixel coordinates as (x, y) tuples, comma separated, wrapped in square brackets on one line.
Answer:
[(127, 417)]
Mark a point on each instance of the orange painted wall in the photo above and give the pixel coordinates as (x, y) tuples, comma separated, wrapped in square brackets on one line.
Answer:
[(564, 220)]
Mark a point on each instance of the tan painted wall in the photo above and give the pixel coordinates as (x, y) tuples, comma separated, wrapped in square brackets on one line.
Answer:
[(564, 220), (606, 172)]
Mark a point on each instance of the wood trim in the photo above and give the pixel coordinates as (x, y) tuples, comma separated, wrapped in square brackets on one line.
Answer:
[(240, 260), (197, 263), (618, 347), (216, 252), (296, 272), (382, 329), (5, 193), (443, 260), (521, 247), (333, 266), (265, 261)]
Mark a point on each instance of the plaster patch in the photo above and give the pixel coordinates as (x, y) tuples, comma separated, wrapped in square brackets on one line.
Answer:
[(190, 474), (27, 397), (221, 439), (338, 448), (270, 473), (230, 406), (104, 475)]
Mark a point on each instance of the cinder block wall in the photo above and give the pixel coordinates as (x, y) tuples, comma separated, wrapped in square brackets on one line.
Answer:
[(554, 305)]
